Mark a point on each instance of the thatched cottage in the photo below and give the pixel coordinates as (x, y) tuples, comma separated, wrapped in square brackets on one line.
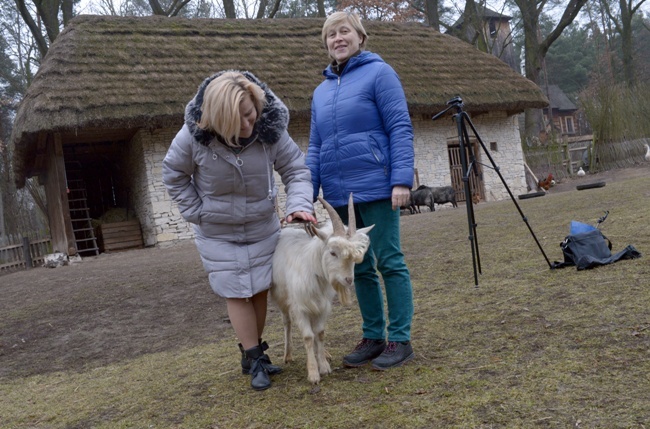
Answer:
[(109, 97)]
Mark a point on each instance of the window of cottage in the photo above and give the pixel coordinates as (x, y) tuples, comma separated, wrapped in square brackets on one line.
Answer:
[(569, 124), (493, 29)]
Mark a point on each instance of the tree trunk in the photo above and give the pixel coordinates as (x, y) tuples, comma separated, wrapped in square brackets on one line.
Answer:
[(431, 8), (536, 49), (48, 11), (67, 11), (229, 9), (626, 45), (262, 9), (276, 7), (156, 8), (623, 26), (41, 42)]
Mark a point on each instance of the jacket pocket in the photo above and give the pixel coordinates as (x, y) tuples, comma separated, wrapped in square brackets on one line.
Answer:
[(377, 153)]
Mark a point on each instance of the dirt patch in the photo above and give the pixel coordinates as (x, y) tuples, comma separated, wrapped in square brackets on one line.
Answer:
[(106, 308)]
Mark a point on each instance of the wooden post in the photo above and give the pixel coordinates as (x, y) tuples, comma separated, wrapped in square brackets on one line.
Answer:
[(57, 198), (27, 254), (567, 156)]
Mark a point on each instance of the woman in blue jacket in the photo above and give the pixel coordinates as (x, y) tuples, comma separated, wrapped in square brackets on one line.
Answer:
[(361, 142)]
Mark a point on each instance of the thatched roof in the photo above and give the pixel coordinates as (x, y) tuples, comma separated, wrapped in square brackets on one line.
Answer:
[(117, 73)]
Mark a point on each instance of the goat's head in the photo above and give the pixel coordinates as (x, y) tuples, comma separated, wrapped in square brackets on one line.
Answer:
[(344, 247)]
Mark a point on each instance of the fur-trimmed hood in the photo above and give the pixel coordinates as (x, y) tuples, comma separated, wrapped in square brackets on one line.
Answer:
[(272, 122)]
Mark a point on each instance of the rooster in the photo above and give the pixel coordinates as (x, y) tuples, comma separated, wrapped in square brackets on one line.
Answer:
[(546, 183)]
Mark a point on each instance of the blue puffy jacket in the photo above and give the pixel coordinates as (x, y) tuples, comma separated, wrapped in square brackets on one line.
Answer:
[(361, 137)]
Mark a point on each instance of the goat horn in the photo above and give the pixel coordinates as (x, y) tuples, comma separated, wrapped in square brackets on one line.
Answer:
[(337, 223), (352, 221)]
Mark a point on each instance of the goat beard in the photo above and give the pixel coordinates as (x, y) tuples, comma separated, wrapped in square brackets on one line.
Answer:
[(343, 292)]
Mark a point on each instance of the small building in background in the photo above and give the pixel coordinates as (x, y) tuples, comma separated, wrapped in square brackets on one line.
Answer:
[(494, 34), (561, 115)]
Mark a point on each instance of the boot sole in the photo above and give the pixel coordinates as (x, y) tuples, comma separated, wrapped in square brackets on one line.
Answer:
[(259, 389), (401, 363), (245, 372), (355, 365)]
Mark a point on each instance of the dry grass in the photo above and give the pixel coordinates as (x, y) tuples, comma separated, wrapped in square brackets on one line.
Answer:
[(529, 348)]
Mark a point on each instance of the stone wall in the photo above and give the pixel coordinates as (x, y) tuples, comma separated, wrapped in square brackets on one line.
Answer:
[(162, 223), (134, 174)]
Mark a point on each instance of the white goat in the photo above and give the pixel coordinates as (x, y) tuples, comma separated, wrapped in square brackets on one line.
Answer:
[(309, 269)]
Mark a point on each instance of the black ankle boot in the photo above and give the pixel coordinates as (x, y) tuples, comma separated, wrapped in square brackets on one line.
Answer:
[(259, 362), (246, 366)]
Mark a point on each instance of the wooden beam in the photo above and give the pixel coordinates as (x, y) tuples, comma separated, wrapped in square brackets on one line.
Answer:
[(57, 198)]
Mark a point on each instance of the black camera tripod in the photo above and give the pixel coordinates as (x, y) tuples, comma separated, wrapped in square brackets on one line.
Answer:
[(462, 120)]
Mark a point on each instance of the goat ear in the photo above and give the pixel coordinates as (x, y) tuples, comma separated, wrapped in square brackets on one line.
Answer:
[(366, 230), (321, 234), (361, 242)]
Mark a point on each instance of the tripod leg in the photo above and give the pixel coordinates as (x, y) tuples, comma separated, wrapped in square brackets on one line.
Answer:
[(468, 198), (469, 201), (465, 118)]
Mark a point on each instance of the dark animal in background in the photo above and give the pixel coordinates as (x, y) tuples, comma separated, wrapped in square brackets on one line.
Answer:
[(443, 195), (422, 196)]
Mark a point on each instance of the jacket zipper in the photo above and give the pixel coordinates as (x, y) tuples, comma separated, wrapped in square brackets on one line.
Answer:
[(336, 134)]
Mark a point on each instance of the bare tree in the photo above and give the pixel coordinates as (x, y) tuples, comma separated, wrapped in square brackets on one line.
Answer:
[(381, 10), (537, 46), (623, 26), (173, 9), (46, 12), (276, 7)]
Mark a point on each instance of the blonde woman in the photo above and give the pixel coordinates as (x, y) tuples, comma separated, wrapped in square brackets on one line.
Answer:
[(219, 170)]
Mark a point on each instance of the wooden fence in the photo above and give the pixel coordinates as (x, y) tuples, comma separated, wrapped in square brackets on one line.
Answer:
[(564, 160), (23, 251)]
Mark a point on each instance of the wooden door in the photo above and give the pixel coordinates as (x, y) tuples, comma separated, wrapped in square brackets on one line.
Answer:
[(455, 166)]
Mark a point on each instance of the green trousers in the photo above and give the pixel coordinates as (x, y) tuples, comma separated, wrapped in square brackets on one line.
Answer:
[(384, 256)]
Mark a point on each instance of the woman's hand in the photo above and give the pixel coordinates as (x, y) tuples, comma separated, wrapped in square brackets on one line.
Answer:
[(400, 196), (301, 217)]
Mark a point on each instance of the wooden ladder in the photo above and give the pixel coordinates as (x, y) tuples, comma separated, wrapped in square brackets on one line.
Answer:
[(84, 233)]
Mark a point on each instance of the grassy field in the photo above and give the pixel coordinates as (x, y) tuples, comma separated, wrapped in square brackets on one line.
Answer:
[(530, 347)]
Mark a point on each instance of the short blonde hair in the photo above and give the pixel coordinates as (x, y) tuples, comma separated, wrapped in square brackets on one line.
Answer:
[(349, 17), (221, 101)]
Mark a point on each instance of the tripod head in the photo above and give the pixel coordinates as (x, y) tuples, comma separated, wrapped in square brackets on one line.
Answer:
[(456, 102)]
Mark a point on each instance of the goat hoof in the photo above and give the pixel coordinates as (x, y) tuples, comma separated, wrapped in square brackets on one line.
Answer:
[(325, 369)]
